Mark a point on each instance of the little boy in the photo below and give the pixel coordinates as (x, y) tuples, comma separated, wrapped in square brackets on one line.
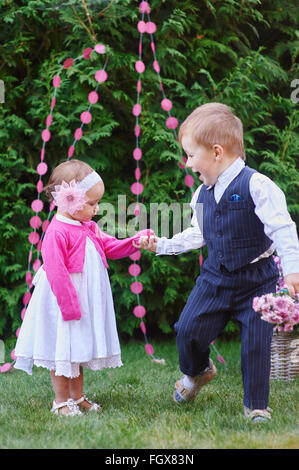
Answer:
[(245, 218)]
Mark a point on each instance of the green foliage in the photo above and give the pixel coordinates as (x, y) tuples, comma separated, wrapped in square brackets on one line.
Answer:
[(240, 53)]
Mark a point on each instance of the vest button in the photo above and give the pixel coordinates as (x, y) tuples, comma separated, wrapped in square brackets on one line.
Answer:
[(217, 214), (219, 234), (220, 254)]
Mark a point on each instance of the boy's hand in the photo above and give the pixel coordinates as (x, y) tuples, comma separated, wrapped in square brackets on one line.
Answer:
[(147, 243), (292, 282)]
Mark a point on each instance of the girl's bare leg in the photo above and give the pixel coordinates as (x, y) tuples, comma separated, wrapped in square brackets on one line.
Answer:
[(76, 390), (61, 389)]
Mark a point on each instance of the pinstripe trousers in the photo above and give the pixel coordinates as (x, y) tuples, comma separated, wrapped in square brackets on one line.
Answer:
[(218, 296)]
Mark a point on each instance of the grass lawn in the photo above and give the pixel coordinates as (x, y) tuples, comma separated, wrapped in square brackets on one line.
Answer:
[(138, 411)]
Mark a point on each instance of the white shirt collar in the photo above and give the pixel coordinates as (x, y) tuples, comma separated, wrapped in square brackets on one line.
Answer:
[(230, 173), (62, 218)]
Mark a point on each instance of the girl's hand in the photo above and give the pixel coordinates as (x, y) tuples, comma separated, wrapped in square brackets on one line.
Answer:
[(147, 243), (292, 282)]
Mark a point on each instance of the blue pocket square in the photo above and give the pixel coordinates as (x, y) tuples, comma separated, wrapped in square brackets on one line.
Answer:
[(236, 197)]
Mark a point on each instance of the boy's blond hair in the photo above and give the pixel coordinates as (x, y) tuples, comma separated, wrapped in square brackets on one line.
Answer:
[(215, 123)]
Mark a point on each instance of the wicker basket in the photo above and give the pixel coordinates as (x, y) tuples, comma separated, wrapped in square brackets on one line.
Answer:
[(284, 356)]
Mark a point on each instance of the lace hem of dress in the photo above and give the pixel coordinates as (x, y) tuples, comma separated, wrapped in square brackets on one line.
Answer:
[(66, 368)]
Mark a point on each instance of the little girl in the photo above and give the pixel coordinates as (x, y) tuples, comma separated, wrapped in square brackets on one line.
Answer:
[(70, 320)]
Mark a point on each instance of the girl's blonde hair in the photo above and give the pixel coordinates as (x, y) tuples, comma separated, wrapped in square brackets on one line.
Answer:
[(66, 171), (215, 123)]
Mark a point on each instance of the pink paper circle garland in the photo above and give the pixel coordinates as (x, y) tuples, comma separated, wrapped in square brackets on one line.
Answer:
[(56, 81), (135, 256), (136, 109), (141, 26), (143, 327), (189, 181), (166, 104), (37, 205), (33, 238), (139, 311), (46, 135), (49, 120), (150, 28), (100, 48), (68, 63), (42, 168), (71, 151), (149, 349), (86, 117), (93, 97), (134, 269), (136, 287), (12, 355), (137, 153), (86, 53), (172, 122), (101, 76), (137, 188), (78, 133), (139, 66), (6, 367), (144, 7), (36, 265)]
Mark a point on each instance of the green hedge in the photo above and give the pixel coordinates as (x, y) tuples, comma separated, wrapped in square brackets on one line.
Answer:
[(240, 53)]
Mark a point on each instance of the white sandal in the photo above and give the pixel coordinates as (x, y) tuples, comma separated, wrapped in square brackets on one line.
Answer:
[(70, 404), (94, 406)]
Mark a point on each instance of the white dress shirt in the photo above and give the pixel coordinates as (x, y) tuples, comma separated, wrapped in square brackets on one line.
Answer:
[(270, 207)]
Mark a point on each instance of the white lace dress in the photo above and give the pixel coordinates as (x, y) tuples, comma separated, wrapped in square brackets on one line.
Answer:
[(46, 340)]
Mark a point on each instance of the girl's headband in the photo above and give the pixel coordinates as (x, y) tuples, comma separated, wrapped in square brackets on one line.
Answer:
[(72, 197), (90, 180)]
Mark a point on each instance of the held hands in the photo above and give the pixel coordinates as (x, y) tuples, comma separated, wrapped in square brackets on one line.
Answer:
[(292, 282), (147, 243)]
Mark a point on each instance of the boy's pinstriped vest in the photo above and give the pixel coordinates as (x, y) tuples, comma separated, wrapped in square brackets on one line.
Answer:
[(232, 231)]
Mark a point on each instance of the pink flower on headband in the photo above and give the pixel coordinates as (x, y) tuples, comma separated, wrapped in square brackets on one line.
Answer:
[(69, 198)]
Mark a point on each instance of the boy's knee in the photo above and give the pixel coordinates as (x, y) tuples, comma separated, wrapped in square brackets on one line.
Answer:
[(185, 330), (191, 337)]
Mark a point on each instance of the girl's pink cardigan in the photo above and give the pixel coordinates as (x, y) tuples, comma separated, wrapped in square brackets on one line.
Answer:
[(63, 252)]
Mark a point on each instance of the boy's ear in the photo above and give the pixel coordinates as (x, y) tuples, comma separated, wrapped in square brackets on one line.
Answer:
[(218, 151)]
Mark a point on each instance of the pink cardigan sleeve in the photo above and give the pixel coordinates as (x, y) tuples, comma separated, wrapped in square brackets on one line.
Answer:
[(54, 252), (115, 248)]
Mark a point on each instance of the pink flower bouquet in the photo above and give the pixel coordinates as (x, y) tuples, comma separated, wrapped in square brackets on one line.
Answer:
[(278, 308)]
